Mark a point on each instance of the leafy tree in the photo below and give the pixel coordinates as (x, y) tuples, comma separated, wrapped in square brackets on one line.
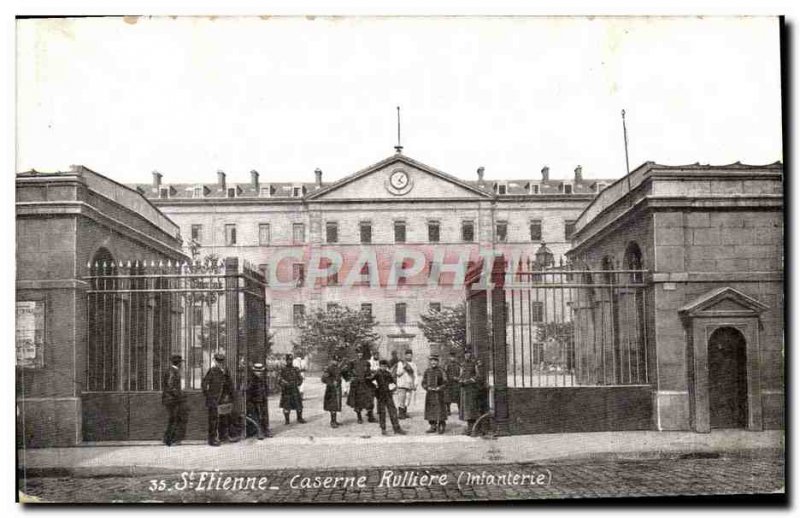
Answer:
[(446, 327), (337, 329)]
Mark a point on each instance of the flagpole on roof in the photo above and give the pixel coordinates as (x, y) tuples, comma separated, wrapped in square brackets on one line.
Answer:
[(398, 147)]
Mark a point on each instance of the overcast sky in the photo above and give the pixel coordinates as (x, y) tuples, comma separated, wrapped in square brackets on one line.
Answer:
[(284, 96)]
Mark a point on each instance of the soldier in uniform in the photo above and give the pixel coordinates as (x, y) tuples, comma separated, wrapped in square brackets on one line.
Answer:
[(385, 384), (470, 380), (332, 379), (290, 379), (434, 381), (362, 391), (257, 393), (218, 390), (452, 392), (173, 398)]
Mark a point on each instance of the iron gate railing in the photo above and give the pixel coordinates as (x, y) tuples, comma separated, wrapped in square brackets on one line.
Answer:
[(556, 327), (140, 313)]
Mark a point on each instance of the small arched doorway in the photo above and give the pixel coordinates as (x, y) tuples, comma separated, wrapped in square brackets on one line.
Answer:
[(727, 378)]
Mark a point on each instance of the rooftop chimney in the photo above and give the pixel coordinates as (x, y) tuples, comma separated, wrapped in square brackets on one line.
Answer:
[(578, 173), (157, 180), (545, 174), (221, 179), (254, 179), (318, 176), (480, 174)]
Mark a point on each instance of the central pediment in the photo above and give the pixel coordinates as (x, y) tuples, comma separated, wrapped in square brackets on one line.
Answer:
[(398, 178)]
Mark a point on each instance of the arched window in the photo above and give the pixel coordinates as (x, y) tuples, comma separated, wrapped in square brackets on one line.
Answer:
[(633, 261)]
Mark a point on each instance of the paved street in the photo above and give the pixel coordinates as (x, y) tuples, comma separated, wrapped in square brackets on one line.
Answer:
[(567, 479)]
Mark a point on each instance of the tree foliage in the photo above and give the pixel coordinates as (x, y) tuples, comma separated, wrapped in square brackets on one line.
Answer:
[(446, 327), (337, 329)]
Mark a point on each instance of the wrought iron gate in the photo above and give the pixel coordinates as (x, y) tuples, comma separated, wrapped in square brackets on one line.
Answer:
[(564, 349), (138, 314)]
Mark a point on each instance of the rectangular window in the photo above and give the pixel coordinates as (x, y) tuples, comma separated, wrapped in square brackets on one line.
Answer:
[(502, 231), (230, 234), (534, 189), (400, 313), (331, 232), (197, 192), (501, 189), (365, 229), (298, 274), (365, 274), (567, 188), (436, 306), (468, 231), (264, 269), (296, 192), (163, 194), (298, 315), (569, 228), (399, 231), (197, 233), (197, 315), (366, 308), (333, 279), (402, 280), (298, 233), (263, 233), (537, 311), (231, 192), (268, 316), (536, 230), (433, 231)]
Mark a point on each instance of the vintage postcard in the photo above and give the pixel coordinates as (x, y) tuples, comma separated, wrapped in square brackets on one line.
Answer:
[(388, 259)]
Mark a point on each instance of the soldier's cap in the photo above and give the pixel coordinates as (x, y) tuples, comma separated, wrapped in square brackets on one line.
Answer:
[(219, 357), (175, 359), (384, 362), (409, 351), (289, 357), (434, 357), (258, 367)]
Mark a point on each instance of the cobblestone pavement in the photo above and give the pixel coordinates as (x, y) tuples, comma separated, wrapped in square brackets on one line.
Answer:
[(587, 479)]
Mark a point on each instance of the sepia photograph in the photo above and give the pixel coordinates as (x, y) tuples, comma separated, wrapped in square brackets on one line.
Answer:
[(399, 259)]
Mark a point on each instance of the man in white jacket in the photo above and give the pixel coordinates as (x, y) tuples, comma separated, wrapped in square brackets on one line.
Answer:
[(407, 383)]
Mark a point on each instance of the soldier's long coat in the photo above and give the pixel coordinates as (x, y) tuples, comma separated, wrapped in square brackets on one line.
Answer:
[(470, 407), (362, 391), (452, 394), (290, 379), (332, 378), (435, 408)]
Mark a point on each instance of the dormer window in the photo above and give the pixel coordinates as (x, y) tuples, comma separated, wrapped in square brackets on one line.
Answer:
[(599, 187), (163, 193), (297, 192), (197, 192), (501, 188), (265, 192), (566, 188), (534, 189)]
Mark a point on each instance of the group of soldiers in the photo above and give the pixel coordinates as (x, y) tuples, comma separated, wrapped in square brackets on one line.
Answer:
[(372, 382), (390, 385)]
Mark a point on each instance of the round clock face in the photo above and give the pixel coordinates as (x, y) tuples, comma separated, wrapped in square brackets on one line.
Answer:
[(399, 180)]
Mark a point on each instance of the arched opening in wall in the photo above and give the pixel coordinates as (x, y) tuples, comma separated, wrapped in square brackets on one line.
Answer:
[(612, 367), (727, 378), (101, 353), (632, 302)]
